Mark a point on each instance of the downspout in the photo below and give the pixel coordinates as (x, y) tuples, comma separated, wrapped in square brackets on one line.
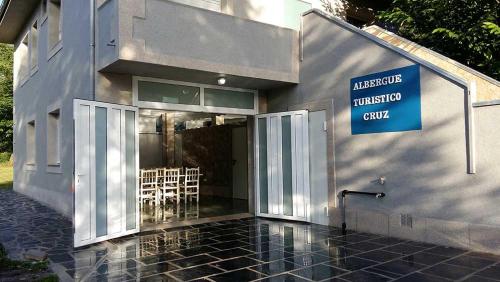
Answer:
[(92, 50)]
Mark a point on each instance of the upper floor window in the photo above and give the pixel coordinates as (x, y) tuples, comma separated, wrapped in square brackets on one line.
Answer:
[(34, 45), (55, 27), (30, 143), (23, 53)]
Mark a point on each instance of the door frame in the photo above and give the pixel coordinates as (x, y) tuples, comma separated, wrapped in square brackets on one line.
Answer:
[(92, 170), (305, 130)]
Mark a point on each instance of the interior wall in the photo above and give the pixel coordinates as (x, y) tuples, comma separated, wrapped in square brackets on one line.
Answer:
[(240, 162)]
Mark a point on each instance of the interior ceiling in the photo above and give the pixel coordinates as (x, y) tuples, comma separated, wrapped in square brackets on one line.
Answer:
[(186, 116)]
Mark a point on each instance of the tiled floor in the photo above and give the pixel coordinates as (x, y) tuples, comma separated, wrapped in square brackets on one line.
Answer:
[(239, 250), (208, 206)]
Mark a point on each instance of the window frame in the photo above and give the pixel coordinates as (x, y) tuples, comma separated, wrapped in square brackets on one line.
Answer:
[(54, 48), (24, 74), (192, 108), (33, 67), (54, 167), (30, 161)]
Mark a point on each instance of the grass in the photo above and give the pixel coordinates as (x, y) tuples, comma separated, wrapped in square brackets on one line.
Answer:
[(6, 175)]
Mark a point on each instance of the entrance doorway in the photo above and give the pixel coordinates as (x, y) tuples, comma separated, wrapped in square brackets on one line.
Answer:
[(217, 144)]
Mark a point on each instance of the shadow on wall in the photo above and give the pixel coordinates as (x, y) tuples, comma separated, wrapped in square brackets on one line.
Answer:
[(426, 170)]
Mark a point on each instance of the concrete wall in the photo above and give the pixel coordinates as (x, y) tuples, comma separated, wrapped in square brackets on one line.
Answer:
[(426, 170), (164, 33), (60, 78)]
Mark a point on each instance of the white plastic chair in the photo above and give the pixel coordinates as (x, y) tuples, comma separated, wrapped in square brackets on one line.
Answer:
[(148, 186), (169, 184), (191, 187)]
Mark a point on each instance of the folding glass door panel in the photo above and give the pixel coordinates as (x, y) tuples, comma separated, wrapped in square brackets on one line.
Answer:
[(282, 159), (106, 170)]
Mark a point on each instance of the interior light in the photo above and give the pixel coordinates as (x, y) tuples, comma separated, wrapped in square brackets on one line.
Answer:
[(221, 81)]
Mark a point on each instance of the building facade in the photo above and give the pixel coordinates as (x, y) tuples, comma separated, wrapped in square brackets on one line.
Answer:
[(327, 108)]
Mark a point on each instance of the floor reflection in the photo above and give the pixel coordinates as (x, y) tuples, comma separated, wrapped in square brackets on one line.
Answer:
[(208, 206)]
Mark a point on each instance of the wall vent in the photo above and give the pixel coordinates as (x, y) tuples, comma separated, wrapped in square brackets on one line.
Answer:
[(406, 220)]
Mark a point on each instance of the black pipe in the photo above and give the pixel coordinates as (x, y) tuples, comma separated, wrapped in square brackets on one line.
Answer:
[(347, 192)]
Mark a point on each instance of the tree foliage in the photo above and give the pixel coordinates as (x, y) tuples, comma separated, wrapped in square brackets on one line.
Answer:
[(465, 30), (6, 104)]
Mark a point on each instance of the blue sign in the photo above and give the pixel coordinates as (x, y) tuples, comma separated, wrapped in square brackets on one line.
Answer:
[(387, 101)]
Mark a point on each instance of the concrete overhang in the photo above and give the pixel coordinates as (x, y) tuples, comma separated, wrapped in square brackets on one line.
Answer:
[(13, 16), (192, 75)]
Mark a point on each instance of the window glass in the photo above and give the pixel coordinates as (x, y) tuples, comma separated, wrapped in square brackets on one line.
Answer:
[(168, 93), (34, 45), (53, 138), (30, 143), (54, 14), (286, 159), (229, 98), (262, 149), (101, 135)]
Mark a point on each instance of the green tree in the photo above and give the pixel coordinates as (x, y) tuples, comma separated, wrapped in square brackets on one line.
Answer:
[(464, 30), (6, 103)]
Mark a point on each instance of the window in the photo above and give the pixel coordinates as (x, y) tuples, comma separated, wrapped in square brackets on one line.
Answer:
[(53, 138), (23, 50), (30, 143), (229, 99), (54, 15), (34, 45), (168, 93)]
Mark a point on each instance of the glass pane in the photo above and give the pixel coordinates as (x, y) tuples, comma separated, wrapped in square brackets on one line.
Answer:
[(168, 93), (286, 162), (101, 171), (130, 169), (262, 147), (229, 99)]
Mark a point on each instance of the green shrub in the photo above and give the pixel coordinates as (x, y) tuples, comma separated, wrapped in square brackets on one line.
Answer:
[(5, 157)]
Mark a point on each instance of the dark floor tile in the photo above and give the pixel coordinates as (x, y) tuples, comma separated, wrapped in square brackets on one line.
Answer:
[(263, 247), (399, 267), (363, 276), (353, 238), (404, 249), (492, 272), (318, 272), (383, 273), (420, 277), (379, 255), (337, 252), (238, 275), (476, 278), (194, 272), (192, 261), (485, 256), (387, 240), (364, 246), (196, 251), (229, 237), (351, 263), (229, 245), (276, 267), (236, 263), (151, 269), (231, 253), (449, 271), (157, 278), (107, 277), (159, 258), (63, 257), (284, 278), (472, 262), (425, 258), (446, 251), (308, 259), (270, 256)]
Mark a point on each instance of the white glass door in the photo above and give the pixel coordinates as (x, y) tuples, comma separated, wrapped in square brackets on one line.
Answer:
[(106, 170), (282, 159)]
